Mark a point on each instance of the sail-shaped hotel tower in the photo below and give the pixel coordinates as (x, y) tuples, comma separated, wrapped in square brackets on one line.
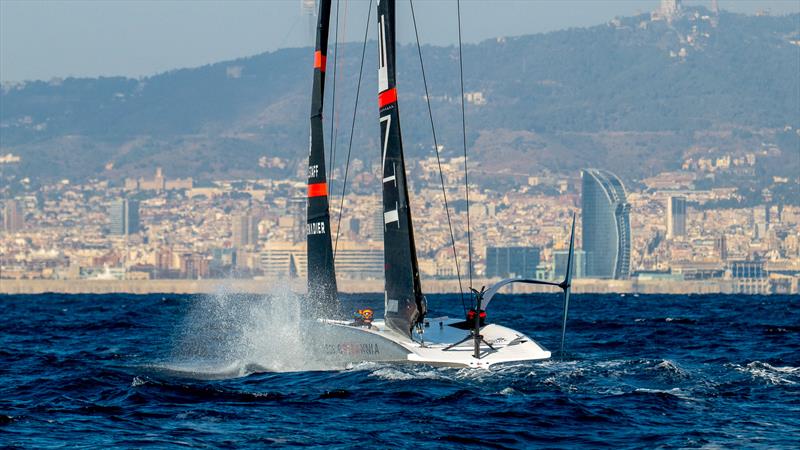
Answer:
[(606, 227)]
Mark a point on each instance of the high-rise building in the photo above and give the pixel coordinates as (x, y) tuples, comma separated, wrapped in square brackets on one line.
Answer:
[(133, 225), (722, 247), (222, 261), (194, 266), (676, 217), (560, 264), (352, 226), (296, 208), (244, 230), (239, 234), (606, 228), (506, 262), (374, 227), (164, 258), (116, 213), (124, 217), (13, 216)]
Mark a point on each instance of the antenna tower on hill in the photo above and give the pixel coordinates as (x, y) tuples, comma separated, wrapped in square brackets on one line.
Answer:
[(308, 10)]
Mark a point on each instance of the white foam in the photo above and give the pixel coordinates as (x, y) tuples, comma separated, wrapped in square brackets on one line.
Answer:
[(227, 335), (404, 373), (770, 373), (671, 367)]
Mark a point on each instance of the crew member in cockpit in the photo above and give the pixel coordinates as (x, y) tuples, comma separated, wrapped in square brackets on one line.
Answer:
[(364, 318)]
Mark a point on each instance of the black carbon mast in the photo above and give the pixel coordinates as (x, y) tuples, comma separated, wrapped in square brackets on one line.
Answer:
[(405, 304), (321, 271)]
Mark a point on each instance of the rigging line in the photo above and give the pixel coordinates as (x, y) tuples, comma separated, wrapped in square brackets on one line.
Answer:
[(331, 149), (464, 134), (335, 142), (438, 159), (289, 33), (352, 129)]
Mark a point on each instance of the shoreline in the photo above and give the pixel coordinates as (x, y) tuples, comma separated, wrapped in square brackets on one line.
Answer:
[(264, 286)]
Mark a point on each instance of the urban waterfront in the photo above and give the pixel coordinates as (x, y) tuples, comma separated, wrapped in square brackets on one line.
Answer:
[(664, 232)]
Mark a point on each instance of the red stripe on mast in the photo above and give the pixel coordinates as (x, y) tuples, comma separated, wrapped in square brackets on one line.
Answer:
[(317, 190), (319, 61), (387, 97)]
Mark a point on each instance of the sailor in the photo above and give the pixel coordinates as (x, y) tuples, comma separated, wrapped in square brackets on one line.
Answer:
[(481, 317), (367, 314), (364, 318)]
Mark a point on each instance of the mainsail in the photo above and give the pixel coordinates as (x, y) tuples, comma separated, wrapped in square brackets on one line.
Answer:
[(405, 305), (321, 272)]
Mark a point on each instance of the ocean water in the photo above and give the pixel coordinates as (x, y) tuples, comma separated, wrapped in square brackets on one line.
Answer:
[(647, 371)]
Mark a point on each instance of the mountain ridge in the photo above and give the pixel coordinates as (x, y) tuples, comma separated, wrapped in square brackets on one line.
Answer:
[(633, 95)]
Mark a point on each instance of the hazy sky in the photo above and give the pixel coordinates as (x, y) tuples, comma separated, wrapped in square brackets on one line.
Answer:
[(45, 39)]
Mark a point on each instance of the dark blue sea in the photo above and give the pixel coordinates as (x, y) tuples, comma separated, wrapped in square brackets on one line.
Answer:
[(640, 372)]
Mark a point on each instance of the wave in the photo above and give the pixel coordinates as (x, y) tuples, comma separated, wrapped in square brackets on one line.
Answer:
[(205, 370), (406, 373), (6, 419), (676, 393), (219, 376), (680, 320), (670, 370), (771, 374), (780, 329), (173, 390)]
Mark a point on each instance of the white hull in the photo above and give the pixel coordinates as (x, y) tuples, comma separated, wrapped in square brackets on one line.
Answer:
[(346, 343), (337, 345)]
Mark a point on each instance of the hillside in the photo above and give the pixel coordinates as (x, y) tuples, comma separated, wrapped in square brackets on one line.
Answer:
[(633, 95)]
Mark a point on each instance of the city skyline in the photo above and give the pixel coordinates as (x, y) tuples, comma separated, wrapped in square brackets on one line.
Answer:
[(253, 228), (673, 202)]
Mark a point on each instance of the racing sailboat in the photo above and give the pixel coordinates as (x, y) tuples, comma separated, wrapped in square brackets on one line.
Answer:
[(406, 334)]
